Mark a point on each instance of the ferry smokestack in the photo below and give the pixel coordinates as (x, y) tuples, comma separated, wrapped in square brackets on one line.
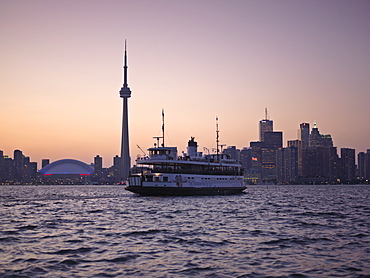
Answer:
[(192, 147)]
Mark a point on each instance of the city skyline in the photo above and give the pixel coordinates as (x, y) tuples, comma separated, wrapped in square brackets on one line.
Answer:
[(310, 159), (62, 67), (304, 128)]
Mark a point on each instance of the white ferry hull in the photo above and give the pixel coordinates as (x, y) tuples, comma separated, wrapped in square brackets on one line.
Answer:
[(184, 191), (185, 185)]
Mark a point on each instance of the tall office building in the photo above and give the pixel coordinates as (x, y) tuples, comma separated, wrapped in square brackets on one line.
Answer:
[(287, 165), (367, 164), (116, 168), (273, 141), (266, 125), (298, 144), (8, 170), (363, 160), (304, 134), (264, 151), (348, 165), (18, 165), (245, 158), (364, 165), (232, 152), (319, 140), (256, 155), (98, 167), (361, 165), (30, 172), (125, 94), (2, 166), (320, 165)]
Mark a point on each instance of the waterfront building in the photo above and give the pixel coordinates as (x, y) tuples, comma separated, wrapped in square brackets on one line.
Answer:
[(299, 145), (361, 166), (18, 165), (232, 152), (287, 165), (367, 164), (256, 153), (45, 162), (347, 165), (273, 141), (30, 172), (364, 165), (1, 166), (98, 168), (320, 165), (245, 158), (115, 171), (264, 155), (8, 170), (17, 170)]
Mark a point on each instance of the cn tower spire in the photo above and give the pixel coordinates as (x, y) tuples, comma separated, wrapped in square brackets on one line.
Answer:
[(125, 69), (125, 93)]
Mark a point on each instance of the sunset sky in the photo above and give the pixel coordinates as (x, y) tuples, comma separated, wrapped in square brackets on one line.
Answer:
[(61, 72)]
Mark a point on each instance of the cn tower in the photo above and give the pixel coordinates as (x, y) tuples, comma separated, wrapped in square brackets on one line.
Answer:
[(125, 93)]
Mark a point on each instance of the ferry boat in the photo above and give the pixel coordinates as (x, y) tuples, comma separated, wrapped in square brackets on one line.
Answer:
[(164, 173)]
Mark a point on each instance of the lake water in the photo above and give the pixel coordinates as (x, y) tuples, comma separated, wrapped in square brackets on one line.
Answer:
[(105, 231)]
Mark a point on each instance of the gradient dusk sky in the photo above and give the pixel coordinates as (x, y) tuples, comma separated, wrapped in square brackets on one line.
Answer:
[(61, 72)]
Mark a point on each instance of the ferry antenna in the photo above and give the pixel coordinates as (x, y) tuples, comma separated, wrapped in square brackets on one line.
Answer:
[(162, 127), (217, 139)]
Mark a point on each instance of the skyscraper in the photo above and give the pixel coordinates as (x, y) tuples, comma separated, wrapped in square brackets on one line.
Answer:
[(265, 126), (360, 165), (18, 165), (287, 165), (319, 165), (304, 134), (348, 166), (367, 164), (98, 167), (125, 93), (264, 151), (273, 141), (319, 140), (1, 166)]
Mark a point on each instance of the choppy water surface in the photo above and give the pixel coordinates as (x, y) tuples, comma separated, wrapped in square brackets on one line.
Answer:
[(94, 231)]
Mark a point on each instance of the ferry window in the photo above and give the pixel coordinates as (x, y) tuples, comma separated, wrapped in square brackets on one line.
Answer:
[(156, 178), (165, 178)]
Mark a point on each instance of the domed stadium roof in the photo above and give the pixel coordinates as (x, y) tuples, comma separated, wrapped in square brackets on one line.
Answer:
[(67, 167)]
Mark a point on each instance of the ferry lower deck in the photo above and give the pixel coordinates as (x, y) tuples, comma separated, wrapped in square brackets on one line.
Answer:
[(185, 184)]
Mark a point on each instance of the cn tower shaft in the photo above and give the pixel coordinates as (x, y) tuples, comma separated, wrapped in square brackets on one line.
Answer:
[(125, 93)]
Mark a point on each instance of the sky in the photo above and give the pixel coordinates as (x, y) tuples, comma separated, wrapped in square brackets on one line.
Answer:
[(61, 72)]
